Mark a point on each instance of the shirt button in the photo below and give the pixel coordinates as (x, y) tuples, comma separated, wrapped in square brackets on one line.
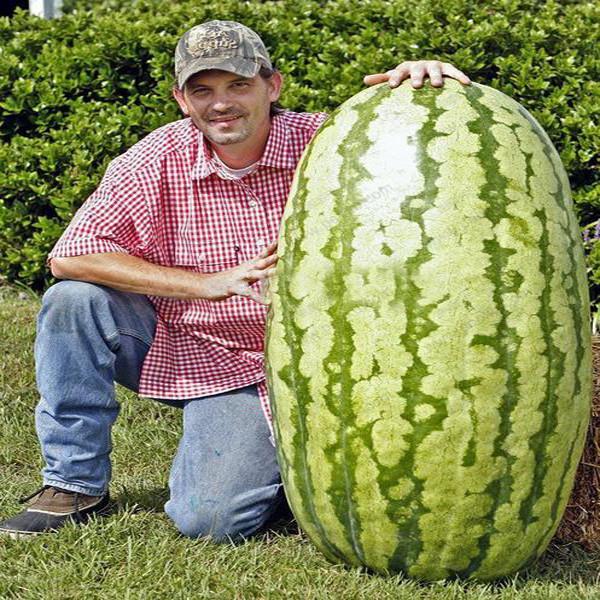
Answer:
[(201, 256), (260, 243), (252, 203)]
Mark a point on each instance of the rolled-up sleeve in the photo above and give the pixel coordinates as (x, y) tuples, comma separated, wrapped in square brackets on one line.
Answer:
[(114, 218)]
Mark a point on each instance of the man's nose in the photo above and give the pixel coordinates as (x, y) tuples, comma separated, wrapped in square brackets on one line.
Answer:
[(221, 103)]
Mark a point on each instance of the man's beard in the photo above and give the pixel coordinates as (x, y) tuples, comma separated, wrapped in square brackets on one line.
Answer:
[(224, 138)]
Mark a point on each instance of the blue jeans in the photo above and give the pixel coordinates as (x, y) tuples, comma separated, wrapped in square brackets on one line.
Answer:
[(224, 480)]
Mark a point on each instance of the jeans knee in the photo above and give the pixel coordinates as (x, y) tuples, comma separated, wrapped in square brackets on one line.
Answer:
[(204, 521), (241, 517), (70, 307), (216, 523), (68, 292)]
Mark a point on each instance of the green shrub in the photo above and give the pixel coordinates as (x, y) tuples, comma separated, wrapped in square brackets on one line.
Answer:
[(77, 91)]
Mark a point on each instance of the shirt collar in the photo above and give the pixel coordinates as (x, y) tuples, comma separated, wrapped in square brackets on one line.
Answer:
[(205, 164), (277, 152)]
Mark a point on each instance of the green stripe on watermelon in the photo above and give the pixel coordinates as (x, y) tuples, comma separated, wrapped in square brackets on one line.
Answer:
[(567, 290), (425, 411), (311, 221), (369, 351), (542, 173), (455, 503), (517, 232)]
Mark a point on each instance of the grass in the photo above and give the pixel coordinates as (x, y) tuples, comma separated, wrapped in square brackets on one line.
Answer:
[(136, 553)]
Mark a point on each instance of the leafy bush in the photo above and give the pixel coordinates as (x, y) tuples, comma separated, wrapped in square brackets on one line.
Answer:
[(77, 91)]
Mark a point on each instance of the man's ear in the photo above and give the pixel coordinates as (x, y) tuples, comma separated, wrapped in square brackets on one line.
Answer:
[(275, 81), (178, 95)]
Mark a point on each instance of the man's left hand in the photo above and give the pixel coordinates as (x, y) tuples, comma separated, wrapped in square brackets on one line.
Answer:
[(417, 70)]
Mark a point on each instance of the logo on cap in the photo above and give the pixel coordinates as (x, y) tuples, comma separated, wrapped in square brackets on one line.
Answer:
[(208, 43)]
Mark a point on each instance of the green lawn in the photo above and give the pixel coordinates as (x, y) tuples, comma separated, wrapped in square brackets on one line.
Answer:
[(136, 553)]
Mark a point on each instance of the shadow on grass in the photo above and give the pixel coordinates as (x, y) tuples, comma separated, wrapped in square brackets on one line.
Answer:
[(138, 500), (565, 564), (152, 500)]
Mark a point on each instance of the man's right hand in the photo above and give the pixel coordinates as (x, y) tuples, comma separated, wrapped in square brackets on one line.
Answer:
[(239, 280)]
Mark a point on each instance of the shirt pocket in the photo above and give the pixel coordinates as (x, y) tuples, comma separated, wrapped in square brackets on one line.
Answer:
[(207, 257)]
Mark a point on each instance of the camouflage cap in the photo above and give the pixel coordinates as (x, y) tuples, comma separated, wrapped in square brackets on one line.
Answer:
[(224, 45)]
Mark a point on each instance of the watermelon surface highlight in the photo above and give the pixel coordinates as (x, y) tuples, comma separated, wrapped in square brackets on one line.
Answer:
[(428, 343)]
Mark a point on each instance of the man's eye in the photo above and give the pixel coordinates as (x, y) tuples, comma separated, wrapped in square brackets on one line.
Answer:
[(240, 84)]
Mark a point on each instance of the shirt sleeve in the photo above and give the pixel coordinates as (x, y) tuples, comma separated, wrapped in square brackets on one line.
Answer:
[(321, 117), (113, 219), (315, 120)]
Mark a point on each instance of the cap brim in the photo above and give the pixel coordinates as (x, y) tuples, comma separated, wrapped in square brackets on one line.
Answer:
[(240, 66)]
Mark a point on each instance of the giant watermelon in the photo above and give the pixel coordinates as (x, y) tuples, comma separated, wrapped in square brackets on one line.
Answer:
[(428, 343)]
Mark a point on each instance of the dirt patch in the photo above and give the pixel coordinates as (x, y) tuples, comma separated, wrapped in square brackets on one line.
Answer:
[(581, 521)]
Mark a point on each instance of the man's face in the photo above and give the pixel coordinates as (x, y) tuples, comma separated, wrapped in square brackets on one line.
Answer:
[(228, 108)]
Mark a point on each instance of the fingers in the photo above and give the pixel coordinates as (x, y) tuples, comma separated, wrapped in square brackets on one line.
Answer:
[(268, 273), (398, 75), (435, 74), (267, 250), (452, 71), (256, 275), (263, 263), (254, 292), (417, 74), (260, 300), (266, 257), (394, 77), (375, 78), (258, 269), (417, 71)]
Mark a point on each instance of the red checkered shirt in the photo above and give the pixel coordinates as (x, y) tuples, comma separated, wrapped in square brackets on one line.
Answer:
[(166, 200)]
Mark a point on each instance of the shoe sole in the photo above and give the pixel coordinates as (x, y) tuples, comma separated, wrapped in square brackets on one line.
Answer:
[(19, 535)]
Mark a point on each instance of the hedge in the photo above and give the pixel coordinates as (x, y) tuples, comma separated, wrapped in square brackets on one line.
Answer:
[(77, 91)]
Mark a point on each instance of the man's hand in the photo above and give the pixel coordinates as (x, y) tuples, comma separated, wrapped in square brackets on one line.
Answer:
[(417, 70), (238, 281)]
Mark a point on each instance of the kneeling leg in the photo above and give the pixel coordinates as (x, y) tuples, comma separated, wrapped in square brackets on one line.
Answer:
[(224, 481)]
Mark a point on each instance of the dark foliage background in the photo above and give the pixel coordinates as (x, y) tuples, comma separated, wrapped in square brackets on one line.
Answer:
[(77, 91)]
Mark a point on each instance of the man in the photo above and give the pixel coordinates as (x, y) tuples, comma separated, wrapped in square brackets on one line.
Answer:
[(163, 267)]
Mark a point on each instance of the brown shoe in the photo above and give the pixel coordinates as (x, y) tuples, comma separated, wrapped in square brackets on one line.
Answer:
[(51, 509)]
